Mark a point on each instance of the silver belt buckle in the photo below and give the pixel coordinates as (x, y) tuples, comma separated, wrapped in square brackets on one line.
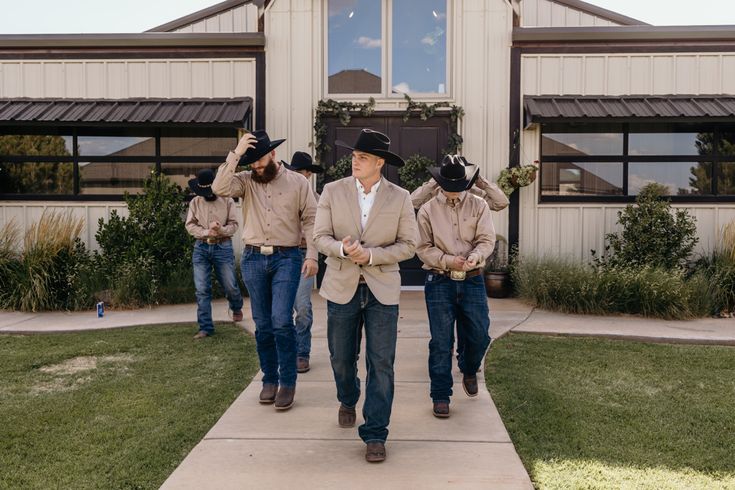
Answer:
[(266, 250), (211, 241), (457, 275)]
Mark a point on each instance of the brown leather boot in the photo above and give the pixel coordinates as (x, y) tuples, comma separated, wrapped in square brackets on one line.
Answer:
[(284, 398), (302, 365), (441, 410), (375, 452), (237, 316), (268, 393), (469, 383), (346, 417)]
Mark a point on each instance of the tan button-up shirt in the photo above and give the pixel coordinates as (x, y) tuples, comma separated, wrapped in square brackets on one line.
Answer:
[(483, 188), (202, 213), (275, 213), (447, 231)]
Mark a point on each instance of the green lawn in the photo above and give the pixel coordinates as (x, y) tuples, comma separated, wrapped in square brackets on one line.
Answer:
[(113, 409), (593, 413)]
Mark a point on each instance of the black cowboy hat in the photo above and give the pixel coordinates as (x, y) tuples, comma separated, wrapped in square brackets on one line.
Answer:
[(202, 184), (375, 143), (455, 174), (263, 146), (302, 161)]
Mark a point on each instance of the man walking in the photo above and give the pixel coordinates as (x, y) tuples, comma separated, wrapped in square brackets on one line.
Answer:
[(365, 226), (211, 220), (303, 314), (277, 206), (456, 237)]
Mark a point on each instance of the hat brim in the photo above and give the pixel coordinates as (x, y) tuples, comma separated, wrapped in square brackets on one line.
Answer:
[(198, 190), (389, 157), (458, 185), (311, 168), (249, 157)]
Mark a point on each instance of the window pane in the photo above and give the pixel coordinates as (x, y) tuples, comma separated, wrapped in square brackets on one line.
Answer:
[(36, 145), (727, 144), (117, 146), (419, 46), (37, 178), (581, 144), (180, 173), (681, 178), (670, 144), (726, 179), (575, 179), (113, 178), (354, 50)]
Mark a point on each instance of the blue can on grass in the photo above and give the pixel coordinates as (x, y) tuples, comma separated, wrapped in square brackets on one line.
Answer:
[(100, 309)]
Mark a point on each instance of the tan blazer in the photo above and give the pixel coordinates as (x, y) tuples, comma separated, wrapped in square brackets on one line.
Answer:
[(390, 234)]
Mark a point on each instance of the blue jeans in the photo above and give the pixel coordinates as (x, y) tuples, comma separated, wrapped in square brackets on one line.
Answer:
[(304, 316), (343, 334), (272, 283), (220, 257), (463, 302)]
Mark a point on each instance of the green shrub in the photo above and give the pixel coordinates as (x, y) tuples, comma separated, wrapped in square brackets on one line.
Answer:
[(141, 252), (570, 287), (652, 235), (717, 270), (414, 172)]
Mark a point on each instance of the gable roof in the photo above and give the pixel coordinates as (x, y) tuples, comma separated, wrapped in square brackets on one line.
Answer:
[(601, 12), (200, 15)]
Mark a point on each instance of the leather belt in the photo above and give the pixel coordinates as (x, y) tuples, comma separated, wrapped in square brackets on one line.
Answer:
[(214, 240), (458, 275), (267, 249)]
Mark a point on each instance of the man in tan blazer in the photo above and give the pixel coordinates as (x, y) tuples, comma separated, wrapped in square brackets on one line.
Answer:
[(365, 226)]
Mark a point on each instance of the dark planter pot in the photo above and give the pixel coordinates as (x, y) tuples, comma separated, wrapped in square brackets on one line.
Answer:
[(497, 284)]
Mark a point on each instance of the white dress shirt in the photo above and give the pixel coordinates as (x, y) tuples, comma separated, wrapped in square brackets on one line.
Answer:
[(366, 201)]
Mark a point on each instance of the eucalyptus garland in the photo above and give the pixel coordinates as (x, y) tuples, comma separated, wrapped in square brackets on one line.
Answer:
[(344, 111)]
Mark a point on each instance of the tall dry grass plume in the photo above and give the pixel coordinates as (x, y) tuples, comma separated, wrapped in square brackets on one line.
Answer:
[(727, 240), (55, 231), (9, 239)]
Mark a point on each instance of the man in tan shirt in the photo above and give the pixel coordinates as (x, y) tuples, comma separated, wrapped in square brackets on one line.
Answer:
[(211, 220), (365, 226), (278, 206), (456, 237)]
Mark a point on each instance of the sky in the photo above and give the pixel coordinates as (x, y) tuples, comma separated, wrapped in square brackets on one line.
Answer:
[(88, 16)]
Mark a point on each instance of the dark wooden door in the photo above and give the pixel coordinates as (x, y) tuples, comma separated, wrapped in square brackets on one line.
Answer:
[(427, 138)]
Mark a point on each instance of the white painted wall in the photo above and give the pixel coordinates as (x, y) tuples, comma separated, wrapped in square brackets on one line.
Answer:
[(547, 13), (479, 43), (240, 19), (119, 79), (572, 230)]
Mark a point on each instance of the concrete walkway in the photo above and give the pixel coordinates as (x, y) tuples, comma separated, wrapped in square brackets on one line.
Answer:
[(253, 446)]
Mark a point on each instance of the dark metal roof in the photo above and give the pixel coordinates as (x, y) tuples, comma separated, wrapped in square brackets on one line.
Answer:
[(593, 108), (199, 15), (212, 112)]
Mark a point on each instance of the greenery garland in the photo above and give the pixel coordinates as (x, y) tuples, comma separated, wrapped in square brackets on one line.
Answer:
[(414, 172)]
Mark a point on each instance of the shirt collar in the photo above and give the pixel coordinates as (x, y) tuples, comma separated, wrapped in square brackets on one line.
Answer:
[(443, 198), (373, 190)]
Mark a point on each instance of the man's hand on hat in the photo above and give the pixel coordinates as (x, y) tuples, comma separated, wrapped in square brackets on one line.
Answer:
[(482, 183), (246, 142), (310, 268)]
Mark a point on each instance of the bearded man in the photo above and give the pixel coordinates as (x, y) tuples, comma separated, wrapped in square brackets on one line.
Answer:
[(278, 206)]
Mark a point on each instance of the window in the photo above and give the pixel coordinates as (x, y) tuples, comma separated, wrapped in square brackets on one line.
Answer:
[(387, 48), (103, 163), (693, 162)]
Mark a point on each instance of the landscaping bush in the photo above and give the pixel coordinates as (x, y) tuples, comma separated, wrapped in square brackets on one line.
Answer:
[(653, 235), (571, 287), (49, 273), (717, 275), (141, 253)]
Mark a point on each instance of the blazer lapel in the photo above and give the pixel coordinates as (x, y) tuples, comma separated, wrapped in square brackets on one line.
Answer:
[(354, 205), (380, 198)]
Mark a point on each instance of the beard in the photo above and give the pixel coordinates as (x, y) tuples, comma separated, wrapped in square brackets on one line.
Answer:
[(269, 173)]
